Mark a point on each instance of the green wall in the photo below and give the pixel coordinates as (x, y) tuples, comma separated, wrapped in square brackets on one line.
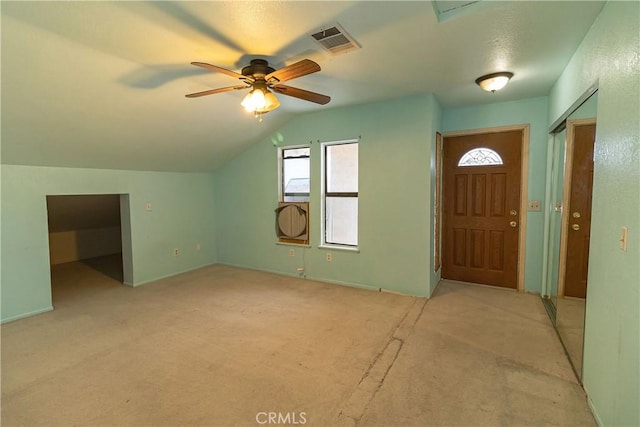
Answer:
[(531, 111), (395, 198), (610, 54), (182, 215)]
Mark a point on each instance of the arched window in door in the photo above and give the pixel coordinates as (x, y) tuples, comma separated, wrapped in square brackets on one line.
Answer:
[(480, 157)]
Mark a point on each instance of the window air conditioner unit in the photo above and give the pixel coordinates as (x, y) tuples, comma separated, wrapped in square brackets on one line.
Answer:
[(292, 222)]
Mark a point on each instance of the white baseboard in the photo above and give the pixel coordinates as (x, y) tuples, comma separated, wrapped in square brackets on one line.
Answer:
[(594, 412), (136, 284), (29, 314)]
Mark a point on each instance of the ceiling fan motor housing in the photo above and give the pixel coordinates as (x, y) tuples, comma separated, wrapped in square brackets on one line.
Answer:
[(257, 68)]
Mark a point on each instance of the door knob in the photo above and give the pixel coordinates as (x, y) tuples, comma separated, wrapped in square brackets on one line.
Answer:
[(513, 224), (576, 227), (513, 212), (576, 214)]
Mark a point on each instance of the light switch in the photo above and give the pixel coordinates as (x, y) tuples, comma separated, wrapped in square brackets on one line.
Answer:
[(147, 207), (623, 239)]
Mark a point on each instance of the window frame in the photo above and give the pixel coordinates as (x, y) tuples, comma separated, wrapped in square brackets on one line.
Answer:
[(324, 194), (468, 156), (281, 162)]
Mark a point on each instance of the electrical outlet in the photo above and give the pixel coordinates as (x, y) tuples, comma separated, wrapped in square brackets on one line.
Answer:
[(329, 257), (292, 252), (176, 252), (534, 206)]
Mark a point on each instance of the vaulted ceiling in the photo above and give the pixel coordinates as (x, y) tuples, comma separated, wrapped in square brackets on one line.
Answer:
[(102, 84)]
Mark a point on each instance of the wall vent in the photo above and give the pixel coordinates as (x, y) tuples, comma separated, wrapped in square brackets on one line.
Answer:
[(335, 40)]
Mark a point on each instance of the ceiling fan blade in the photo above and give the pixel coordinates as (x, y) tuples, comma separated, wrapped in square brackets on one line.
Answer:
[(221, 70), (299, 69), (212, 91), (318, 98)]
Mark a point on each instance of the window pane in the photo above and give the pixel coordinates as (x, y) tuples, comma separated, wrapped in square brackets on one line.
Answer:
[(480, 157), (342, 168), (341, 220), (296, 179)]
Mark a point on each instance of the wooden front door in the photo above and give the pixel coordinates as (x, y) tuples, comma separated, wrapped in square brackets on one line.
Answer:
[(481, 201), (579, 212)]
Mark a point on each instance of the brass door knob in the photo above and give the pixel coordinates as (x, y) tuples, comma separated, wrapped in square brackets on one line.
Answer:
[(513, 224), (513, 212), (576, 227), (576, 214)]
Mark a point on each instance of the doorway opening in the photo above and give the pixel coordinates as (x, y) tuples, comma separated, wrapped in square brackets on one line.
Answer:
[(89, 244)]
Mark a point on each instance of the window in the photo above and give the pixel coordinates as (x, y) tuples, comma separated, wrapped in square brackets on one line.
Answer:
[(480, 157), (340, 193), (294, 178)]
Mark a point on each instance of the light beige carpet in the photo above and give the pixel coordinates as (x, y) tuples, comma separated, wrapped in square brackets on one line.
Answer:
[(227, 346)]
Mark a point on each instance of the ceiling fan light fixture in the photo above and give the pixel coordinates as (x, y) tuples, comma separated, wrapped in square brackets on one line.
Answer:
[(254, 101), (260, 100), (271, 101), (494, 81)]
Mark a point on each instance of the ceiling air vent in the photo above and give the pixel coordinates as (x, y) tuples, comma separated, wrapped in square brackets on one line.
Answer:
[(335, 40)]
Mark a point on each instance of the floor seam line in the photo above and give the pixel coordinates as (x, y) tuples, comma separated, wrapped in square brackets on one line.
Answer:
[(360, 399)]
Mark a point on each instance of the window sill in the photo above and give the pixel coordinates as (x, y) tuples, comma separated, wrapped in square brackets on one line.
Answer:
[(340, 248), (304, 245)]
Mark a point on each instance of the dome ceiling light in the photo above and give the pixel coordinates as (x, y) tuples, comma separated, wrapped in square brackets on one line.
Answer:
[(495, 81)]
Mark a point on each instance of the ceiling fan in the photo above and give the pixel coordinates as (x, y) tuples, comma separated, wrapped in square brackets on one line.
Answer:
[(262, 78)]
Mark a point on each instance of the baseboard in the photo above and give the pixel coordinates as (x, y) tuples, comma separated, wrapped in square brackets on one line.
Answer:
[(347, 284), (136, 284), (316, 279), (263, 270), (29, 314), (435, 288), (594, 412), (321, 279)]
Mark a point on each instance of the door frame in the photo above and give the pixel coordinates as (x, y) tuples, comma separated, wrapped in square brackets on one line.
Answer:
[(125, 235), (524, 185), (566, 195)]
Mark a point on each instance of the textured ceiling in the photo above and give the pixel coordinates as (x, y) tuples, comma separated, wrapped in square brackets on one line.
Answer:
[(102, 84)]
